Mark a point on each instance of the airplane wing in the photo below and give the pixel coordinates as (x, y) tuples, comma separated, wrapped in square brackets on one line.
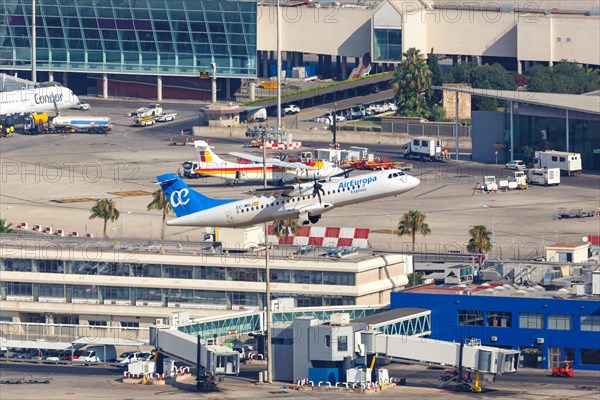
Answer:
[(256, 159), (271, 161), (277, 191)]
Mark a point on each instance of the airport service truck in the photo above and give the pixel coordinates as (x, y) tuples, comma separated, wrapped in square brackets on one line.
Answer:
[(423, 148), (568, 163), (189, 169), (544, 176), (83, 124)]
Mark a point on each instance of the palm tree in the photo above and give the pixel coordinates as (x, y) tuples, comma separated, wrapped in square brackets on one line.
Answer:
[(285, 228), (480, 240), (5, 226), (412, 85), (413, 222), (106, 210), (161, 203)]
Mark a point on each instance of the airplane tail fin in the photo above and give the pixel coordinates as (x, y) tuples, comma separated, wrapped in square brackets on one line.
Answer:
[(183, 199), (206, 155)]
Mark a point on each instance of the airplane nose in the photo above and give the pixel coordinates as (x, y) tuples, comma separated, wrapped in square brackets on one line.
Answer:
[(414, 182)]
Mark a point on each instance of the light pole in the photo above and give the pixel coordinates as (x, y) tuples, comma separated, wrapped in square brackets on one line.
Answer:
[(492, 235), (334, 124), (391, 228)]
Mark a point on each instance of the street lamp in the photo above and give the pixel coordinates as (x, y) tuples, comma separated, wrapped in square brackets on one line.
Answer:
[(492, 235), (391, 227), (334, 124)]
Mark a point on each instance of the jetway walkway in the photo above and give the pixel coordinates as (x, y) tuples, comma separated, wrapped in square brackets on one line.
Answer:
[(253, 321), (468, 355)]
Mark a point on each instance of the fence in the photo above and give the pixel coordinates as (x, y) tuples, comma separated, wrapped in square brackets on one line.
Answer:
[(63, 333), (425, 129)]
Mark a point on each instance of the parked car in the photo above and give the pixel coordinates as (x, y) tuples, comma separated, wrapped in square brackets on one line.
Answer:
[(515, 164), (52, 356), (291, 109), (81, 106)]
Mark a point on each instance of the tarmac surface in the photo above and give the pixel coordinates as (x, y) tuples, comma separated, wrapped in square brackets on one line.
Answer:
[(53, 180), (105, 383)]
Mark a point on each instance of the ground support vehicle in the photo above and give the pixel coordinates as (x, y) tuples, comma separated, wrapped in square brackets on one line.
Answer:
[(563, 213), (424, 149), (144, 121), (565, 368), (166, 116), (85, 124), (544, 176), (568, 163), (189, 169)]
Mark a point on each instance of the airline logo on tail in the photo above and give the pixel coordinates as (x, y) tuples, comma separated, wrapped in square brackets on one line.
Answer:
[(205, 156), (178, 196)]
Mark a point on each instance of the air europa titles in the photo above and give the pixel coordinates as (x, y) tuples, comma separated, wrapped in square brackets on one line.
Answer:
[(356, 182)]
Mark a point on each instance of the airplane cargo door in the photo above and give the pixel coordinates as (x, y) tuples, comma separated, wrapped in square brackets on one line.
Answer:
[(228, 217)]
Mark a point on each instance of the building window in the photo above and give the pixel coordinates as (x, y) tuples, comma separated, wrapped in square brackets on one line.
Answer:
[(16, 289), (560, 322), (342, 344), (50, 266), (531, 321), (178, 271), (84, 292), (387, 44), (16, 265), (470, 317), (125, 324), (50, 290), (500, 319), (97, 323), (589, 356), (590, 323), (328, 340)]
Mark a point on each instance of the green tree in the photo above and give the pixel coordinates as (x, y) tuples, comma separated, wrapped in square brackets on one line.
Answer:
[(480, 241), (564, 77), (414, 278), (437, 79), (106, 210), (438, 113), (160, 203), (285, 228), (411, 223), (412, 85), (5, 226)]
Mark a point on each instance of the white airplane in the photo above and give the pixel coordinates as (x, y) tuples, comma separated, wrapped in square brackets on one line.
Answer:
[(210, 164), (305, 202), (46, 97)]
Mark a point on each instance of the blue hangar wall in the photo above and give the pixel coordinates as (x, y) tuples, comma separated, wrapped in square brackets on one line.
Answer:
[(542, 328)]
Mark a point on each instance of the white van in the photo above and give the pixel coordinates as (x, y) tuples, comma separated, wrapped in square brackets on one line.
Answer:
[(98, 354), (259, 115)]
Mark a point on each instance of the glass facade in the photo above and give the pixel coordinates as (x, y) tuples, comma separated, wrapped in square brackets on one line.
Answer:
[(387, 44), (162, 37), (163, 296), (544, 128)]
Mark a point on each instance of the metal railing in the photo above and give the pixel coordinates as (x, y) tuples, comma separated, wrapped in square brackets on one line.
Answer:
[(67, 333)]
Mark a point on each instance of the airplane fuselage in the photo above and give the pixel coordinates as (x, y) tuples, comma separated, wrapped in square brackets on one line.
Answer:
[(36, 100), (305, 204)]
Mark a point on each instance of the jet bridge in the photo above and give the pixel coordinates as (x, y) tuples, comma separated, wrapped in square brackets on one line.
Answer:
[(213, 361), (469, 355)]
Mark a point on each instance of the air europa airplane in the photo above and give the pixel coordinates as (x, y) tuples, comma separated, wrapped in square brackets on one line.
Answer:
[(305, 202)]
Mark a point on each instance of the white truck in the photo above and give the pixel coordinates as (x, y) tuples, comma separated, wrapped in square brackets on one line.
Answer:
[(189, 169), (568, 163), (83, 124), (544, 176), (153, 109), (423, 148), (489, 184), (166, 116)]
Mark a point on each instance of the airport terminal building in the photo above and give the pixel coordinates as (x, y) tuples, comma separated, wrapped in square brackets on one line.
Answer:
[(93, 283), (138, 48)]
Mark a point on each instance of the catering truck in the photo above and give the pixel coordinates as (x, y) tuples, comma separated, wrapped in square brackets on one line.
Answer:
[(422, 148), (568, 163)]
